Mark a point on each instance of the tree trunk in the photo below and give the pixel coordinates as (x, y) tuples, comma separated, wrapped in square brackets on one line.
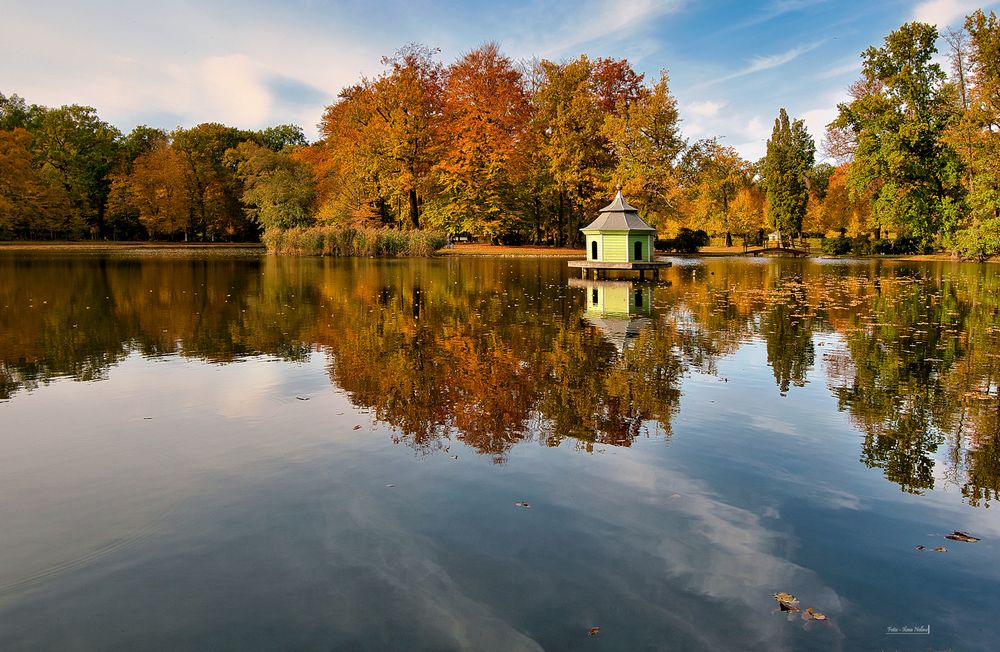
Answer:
[(729, 239), (414, 208)]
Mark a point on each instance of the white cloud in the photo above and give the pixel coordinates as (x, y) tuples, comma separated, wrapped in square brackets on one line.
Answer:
[(706, 108), (945, 12)]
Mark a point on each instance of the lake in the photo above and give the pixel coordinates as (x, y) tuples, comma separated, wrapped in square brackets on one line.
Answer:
[(251, 453)]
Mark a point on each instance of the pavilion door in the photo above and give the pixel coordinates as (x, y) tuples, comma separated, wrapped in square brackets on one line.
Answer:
[(593, 250), (638, 251)]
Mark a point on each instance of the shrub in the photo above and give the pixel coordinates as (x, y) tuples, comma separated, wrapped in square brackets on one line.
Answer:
[(686, 242), (836, 246)]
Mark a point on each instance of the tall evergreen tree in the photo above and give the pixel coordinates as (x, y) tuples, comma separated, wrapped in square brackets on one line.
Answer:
[(790, 155)]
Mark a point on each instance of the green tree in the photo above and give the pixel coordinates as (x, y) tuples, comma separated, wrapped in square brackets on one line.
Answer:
[(789, 159), (897, 122), (278, 190), (72, 144), (978, 137)]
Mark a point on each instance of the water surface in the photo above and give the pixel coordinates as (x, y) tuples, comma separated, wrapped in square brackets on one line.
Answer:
[(257, 453)]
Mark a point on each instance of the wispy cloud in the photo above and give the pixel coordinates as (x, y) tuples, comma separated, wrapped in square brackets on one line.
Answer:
[(773, 10), (759, 64), (581, 24), (945, 12), (853, 65)]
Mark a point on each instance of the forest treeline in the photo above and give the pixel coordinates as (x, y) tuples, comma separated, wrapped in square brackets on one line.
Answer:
[(529, 151)]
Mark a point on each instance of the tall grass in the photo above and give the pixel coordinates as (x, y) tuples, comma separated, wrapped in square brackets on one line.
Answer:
[(352, 241)]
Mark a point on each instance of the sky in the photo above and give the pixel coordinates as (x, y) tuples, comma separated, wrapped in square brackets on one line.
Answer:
[(251, 64)]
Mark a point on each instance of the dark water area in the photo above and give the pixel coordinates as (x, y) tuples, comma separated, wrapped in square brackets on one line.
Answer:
[(251, 453)]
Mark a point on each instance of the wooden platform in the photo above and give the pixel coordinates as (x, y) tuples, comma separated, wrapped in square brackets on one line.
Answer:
[(600, 267), (776, 250)]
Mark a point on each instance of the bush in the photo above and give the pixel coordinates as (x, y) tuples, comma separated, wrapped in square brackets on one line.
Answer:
[(686, 242), (352, 241), (861, 245), (838, 246), (907, 245), (882, 247)]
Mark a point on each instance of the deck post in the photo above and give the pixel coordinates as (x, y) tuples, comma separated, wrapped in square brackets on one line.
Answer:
[(642, 275)]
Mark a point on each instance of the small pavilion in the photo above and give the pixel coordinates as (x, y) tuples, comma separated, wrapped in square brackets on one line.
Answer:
[(619, 240)]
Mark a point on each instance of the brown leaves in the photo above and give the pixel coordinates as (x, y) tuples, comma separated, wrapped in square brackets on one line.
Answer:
[(594, 631), (357, 427), (522, 504), (935, 549), (787, 602), (958, 535)]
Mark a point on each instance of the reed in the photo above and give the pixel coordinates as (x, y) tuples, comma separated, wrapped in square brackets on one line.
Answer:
[(352, 241)]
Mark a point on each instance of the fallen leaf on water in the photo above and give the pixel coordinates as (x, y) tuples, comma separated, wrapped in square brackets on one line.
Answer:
[(302, 398), (594, 631), (940, 549), (357, 427), (390, 485), (921, 548), (786, 601), (958, 535), (522, 504), (815, 615)]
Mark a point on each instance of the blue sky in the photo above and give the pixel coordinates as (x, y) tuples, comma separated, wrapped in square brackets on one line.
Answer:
[(253, 63)]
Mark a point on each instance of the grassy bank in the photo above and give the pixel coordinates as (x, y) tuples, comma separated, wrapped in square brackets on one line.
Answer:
[(352, 241)]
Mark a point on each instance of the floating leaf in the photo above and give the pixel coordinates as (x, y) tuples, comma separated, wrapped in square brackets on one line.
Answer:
[(921, 548), (958, 535), (358, 427), (522, 504), (785, 606), (781, 596), (815, 615), (302, 398), (594, 631), (940, 549)]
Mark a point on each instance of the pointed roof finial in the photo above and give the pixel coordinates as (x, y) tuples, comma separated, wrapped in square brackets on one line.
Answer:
[(618, 186)]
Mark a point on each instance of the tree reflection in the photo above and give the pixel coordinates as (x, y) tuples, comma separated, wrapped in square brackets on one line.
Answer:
[(494, 353)]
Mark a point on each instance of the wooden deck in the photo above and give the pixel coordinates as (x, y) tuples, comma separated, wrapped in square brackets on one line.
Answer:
[(777, 249), (601, 268)]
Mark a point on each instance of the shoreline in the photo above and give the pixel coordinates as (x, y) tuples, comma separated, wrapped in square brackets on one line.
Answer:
[(459, 250)]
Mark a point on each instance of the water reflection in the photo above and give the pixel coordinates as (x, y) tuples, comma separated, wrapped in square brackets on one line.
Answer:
[(494, 353)]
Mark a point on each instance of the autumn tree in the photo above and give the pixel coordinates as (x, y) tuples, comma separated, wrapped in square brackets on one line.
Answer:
[(714, 176), (32, 202), (646, 142), (789, 158), (485, 117), (164, 190), (407, 103), (568, 119)]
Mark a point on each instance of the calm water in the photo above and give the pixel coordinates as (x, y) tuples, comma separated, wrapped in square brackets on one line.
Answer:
[(249, 453)]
